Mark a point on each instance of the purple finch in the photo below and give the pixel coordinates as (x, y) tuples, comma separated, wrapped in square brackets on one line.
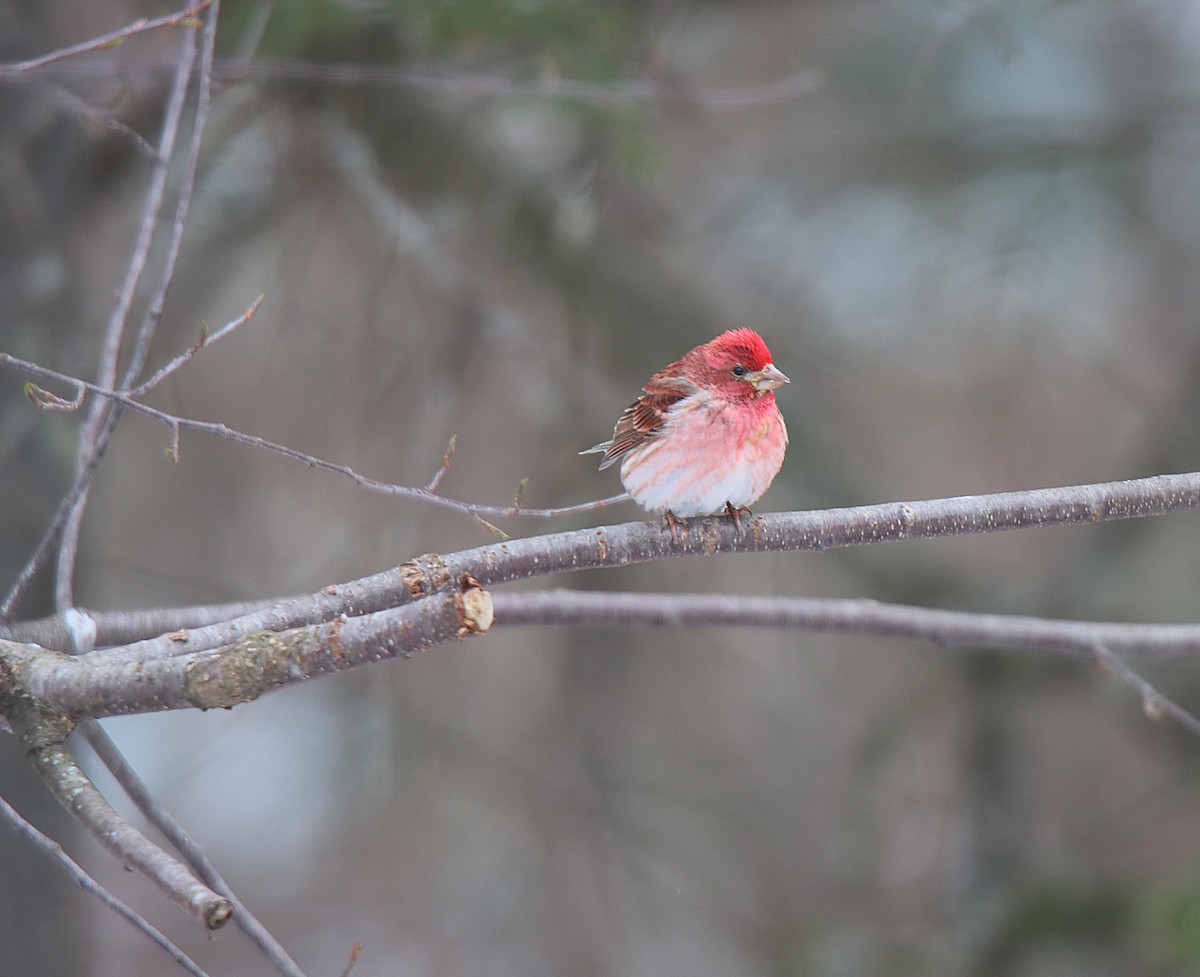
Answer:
[(706, 435)]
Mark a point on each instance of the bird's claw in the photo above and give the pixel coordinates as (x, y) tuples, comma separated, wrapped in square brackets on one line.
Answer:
[(672, 522), (736, 513)]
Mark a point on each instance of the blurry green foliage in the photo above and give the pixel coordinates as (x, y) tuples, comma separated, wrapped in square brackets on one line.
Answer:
[(569, 37), (1047, 913), (1170, 926)]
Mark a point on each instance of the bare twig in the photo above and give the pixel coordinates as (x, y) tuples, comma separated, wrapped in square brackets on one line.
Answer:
[(445, 466), (203, 342), (93, 436), (354, 954), (45, 400), (193, 854), (182, 18), (221, 430), (187, 181), (97, 117), (40, 552), (64, 526), (791, 86), (1154, 704), (256, 27), (90, 885)]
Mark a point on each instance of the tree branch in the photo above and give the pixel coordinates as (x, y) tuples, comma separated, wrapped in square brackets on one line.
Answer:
[(1079, 640), (621, 545), (176, 423), (203, 343), (90, 885), (182, 18), (259, 663), (1076, 640), (193, 854), (78, 630), (97, 430), (1154, 704), (71, 786), (42, 730)]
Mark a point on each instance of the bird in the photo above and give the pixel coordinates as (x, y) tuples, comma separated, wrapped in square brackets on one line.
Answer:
[(706, 435)]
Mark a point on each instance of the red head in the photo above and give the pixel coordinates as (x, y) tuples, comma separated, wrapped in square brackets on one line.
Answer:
[(738, 364)]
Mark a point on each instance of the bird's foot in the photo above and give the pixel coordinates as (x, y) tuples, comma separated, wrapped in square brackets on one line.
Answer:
[(673, 522), (735, 512)]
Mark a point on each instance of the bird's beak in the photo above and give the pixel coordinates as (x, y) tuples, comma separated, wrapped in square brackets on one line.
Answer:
[(768, 378)]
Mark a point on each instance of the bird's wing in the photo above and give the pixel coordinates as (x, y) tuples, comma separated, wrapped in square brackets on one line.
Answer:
[(644, 418)]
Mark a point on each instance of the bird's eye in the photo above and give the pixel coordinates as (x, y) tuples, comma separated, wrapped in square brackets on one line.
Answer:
[(739, 370)]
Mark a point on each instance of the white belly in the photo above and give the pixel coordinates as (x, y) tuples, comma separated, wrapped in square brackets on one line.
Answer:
[(717, 464)]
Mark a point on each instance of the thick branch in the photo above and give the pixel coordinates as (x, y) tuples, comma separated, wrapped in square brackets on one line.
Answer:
[(614, 546), (42, 730), (817, 530), (259, 663)]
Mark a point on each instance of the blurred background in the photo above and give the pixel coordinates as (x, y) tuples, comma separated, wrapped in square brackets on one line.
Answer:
[(969, 232)]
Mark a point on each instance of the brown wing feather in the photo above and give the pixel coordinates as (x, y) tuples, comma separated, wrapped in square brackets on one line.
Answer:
[(644, 418)]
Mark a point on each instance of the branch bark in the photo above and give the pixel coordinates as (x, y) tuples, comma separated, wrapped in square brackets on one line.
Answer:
[(1077, 640), (87, 686), (90, 885)]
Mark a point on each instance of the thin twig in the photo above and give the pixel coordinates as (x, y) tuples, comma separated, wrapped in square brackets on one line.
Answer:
[(89, 884), (65, 523), (96, 430), (445, 466), (1154, 704), (187, 182), (41, 552), (221, 430), (133, 785), (203, 342), (97, 116), (182, 18)]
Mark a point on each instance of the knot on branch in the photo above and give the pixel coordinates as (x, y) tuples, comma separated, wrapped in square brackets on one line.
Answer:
[(472, 606), (424, 576), (244, 671)]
